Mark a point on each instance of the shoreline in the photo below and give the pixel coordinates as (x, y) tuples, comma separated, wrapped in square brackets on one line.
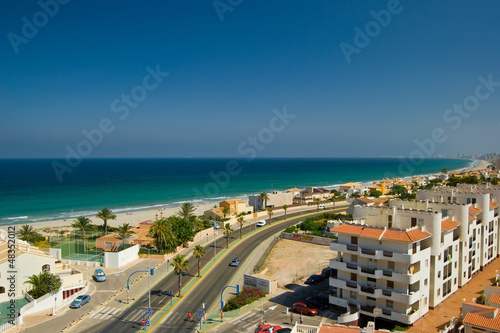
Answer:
[(135, 216)]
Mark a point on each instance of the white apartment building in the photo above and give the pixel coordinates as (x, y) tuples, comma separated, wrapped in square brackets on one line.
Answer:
[(484, 207), (467, 232), (395, 262)]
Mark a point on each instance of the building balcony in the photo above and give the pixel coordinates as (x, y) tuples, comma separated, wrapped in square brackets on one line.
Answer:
[(375, 254), (338, 301)]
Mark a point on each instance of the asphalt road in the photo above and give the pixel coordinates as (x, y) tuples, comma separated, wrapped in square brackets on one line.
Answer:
[(206, 291)]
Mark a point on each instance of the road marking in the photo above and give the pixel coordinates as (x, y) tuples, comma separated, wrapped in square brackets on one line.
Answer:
[(105, 312), (242, 317)]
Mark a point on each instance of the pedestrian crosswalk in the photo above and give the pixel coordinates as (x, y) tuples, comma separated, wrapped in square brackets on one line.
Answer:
[(246, 322), (105, 313)]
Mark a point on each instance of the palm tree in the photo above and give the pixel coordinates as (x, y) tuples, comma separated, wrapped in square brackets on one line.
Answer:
[(161, 231), (334, 200), (124, 231), (285, 207), (186, 211), (27, 233), (264, 197), (199, 252), (270, 213), (105, 214), (227, 231), (241, 221), (180, 264), (317, 201), (82, 223), (38, 285), (225, 211)]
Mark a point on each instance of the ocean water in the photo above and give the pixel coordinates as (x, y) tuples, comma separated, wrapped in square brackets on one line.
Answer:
[(30, 191)]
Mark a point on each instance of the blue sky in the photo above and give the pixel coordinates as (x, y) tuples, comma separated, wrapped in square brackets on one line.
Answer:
[(226, 77)]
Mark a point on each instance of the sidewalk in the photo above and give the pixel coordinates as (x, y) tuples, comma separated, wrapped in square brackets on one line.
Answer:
[(436, 319)]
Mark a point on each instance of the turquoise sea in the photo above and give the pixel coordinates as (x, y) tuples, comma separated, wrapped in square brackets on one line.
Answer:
[(30, 190)]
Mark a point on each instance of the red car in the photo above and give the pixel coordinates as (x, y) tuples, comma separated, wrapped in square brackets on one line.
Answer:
[(304, 308), (265, 328)]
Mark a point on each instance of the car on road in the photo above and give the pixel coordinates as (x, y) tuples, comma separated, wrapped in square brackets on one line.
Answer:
[(80, 301), (315, 279), (235, 262), (321, 207), (215, 225), (261, 224), (99, 275), (304, 308), (266, 328)]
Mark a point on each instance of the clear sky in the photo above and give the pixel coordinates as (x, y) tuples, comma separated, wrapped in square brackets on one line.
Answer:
[(361, 78)]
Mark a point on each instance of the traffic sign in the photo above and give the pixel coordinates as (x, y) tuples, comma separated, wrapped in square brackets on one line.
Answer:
[(200, 314), (143, 322), (147, 322), (149, 312)]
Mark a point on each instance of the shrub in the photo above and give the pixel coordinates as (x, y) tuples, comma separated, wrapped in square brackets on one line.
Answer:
[(246, 296)]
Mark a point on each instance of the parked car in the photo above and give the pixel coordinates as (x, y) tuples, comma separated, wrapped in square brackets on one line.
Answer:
[(283, 330), (260, 223), (266, 328), (315, 279), (329, 272), (80, 301), (304, 308), (99, 275), (321, 207), (317, 302), (215, 225), (235, 262)]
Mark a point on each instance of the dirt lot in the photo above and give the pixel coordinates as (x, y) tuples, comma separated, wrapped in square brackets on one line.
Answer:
[(290, 261)]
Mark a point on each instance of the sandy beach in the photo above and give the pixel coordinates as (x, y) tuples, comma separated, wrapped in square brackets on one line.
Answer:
[(134, 218)]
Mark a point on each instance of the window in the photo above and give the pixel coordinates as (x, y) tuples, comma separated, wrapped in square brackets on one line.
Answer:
[(439, 274), (439, 292), (354, 258), (390, 284), (456, 264), (474, 201), (425, 282), (2, 290), (414, 248), (353, 294), (390, 265), (389, 304), (413, 221), (354, 277), (455, 281), (372, 280), (109, 244), (425, 301), (46, 267), (354, 240)]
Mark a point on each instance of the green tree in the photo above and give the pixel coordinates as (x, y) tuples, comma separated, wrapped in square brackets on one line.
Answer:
[(270, 214), (227, 231), (43, 283), (376, 194), (163, 235), (225, 211), (241, 221), (285, 207), (27, 233), (105, 215), (83, 224), (124, 231), (186, 211), (317, 201), (264, 197), (180, 264), (199, 252), (445, 171), (183, 229)]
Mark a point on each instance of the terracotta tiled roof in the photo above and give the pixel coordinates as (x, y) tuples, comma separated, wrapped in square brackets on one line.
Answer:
[(365, 200), (397, 235), (471, 218), (348, 229), (474, 210), (495, 298), (448, 225), (417, 234), (371, 232), (231, 201), (479, 319), (493, 205)]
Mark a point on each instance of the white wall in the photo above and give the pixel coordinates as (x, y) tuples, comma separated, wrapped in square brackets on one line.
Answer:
[(118, 259)]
